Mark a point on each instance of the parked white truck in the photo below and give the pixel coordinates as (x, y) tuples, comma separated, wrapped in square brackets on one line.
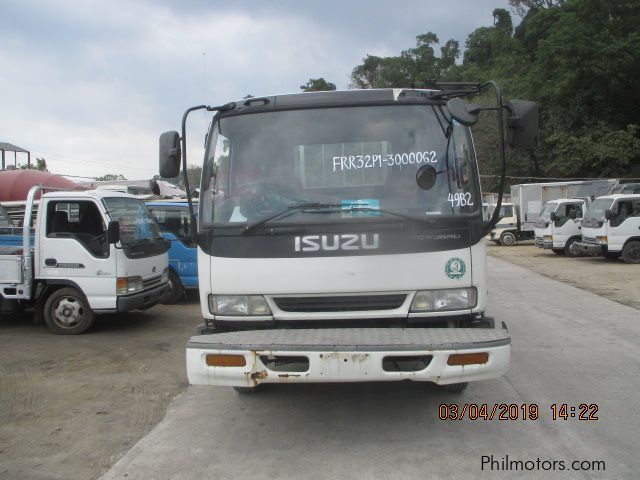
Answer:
[(611, 227), (341, 239), (528, 199), (90, 252), (559, 225)]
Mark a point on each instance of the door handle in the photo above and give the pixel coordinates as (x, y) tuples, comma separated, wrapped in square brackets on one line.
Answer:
[(50, 262)]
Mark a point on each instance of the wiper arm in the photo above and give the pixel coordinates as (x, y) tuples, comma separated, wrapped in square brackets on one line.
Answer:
[(290, 210)]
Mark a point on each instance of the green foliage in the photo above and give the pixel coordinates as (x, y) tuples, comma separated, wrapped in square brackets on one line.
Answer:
[(415, 65), (41, 164), (317, 85)]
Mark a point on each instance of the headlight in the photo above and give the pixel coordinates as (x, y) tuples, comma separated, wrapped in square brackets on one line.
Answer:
[(602, 240), (238, 305), (126, 285), (444, 300), (165, 275), (547, 238)]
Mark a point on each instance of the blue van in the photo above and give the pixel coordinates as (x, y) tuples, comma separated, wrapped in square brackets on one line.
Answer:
[(173, 220)]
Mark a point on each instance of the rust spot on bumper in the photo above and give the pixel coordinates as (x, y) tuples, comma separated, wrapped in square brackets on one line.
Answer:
[(259, 375)]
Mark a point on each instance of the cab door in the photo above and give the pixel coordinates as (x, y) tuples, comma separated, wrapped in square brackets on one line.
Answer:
[(624, 223), (569, 221), (73, 248)]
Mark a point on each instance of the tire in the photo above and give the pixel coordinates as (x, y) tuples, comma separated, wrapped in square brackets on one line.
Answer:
[(631, 252), (507, 239), (558, 251), (176, 290), (67, 312), (245, 390), (612, 255), (455, 387), (571, 249)]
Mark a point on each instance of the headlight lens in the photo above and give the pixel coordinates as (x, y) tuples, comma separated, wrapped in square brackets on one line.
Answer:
[(444, 300), (238, 305), (602, 240), (126, 285), (165, 275)]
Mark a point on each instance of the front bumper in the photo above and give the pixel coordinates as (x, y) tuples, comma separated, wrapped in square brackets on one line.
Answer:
[(142, 300), (348, 355), (541, 243), (587, 248)]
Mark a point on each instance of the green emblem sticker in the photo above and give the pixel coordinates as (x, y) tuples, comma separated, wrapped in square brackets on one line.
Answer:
[(455, 268)]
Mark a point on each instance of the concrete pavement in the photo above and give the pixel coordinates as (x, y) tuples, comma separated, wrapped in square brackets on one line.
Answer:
[(569, 346)]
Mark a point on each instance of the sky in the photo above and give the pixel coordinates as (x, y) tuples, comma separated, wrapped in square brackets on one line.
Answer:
[(90, 85)]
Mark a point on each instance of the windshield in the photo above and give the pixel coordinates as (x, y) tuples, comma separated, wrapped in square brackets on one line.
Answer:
[(596, 210), (362, 157), (545, 214), (139, 233)]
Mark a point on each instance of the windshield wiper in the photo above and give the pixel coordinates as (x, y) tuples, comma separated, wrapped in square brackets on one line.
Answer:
[(290, 210), (326, 208)]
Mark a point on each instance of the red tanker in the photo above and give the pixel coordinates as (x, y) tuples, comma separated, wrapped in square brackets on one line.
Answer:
[(15, 184)]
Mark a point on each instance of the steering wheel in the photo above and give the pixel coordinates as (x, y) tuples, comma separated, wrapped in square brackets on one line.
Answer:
[(259, 199)]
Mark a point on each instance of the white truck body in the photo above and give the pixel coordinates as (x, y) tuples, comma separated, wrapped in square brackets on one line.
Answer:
[(70, 251), (341, 239), (611, 227), (528, 200), (559, 225)]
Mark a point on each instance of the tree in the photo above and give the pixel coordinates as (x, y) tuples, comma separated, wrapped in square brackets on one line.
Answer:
[(317, 85), (110, 177), (412, 66), (41, 164), (522, 7)]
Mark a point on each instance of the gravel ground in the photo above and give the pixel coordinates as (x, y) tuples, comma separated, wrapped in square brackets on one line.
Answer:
[(612, 279)]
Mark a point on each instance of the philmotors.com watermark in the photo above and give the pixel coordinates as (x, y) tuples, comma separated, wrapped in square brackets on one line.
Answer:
[(506, 464)]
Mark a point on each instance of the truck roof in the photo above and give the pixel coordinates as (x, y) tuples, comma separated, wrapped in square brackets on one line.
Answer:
[(617, 196), (332, 98), (95, 194), (565, 200)]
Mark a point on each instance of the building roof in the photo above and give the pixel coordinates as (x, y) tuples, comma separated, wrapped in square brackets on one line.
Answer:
[(8, 147)]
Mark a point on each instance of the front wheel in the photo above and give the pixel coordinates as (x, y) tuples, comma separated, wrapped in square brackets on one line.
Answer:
[(571, 248), (631, 252), (176, 291), (66, 312), (507, 239)]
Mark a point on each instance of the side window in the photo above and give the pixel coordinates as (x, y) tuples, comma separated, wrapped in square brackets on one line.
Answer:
[(81, 221), (574, 210), (173, 220)]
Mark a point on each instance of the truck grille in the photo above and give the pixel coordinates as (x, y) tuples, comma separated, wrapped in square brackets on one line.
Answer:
[(151, 281), (589, 240), (340, 303)]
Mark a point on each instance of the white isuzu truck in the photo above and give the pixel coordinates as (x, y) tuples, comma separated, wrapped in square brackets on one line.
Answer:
[(91, 252), (341, 239), (611, 228), (559, 225)]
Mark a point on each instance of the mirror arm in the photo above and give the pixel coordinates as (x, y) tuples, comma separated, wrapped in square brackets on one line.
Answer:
[(221, 108), (500, 122)]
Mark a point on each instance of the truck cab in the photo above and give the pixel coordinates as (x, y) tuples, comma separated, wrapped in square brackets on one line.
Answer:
[(91, 252), (341, 239), (611, 227), (506, 230), (559, 226)]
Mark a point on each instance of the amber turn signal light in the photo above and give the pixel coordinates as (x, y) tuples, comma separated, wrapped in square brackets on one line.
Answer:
[(226, 360), (468, 358)]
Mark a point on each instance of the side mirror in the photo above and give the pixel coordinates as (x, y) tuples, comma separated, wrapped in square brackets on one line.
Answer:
[(170, 155), (553, 216), (522, 124), (608, 214), (113, 232), (463, 112)]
